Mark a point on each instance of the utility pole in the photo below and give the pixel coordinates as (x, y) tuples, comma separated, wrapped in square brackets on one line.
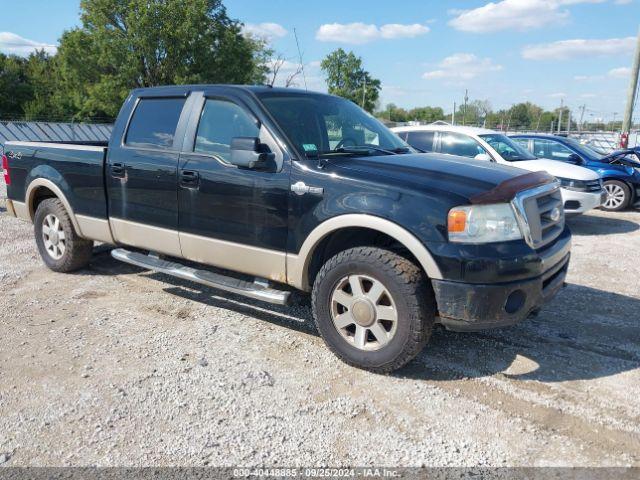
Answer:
[(364, 91), (582, 109), (560, 117), (453, 115), (631, 95), (539, 118), (464, 112), (568, 121), (304, 77)]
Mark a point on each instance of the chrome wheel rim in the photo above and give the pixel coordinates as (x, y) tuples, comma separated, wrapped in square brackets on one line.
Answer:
[(615, 196), (364, 312), (55, 242)]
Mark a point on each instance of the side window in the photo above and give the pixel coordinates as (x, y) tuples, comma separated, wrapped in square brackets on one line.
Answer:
[(221, 121), (523, 142), (551, 150), (421, 140), (540, 148), (458, 144), (154, 123)]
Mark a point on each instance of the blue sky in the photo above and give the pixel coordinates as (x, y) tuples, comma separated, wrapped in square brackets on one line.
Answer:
[(426, 52)]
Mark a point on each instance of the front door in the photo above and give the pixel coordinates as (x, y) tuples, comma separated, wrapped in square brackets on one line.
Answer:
[(231, 217), (142, 179)]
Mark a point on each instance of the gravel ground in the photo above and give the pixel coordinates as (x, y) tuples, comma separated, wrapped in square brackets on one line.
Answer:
[(117, 366)]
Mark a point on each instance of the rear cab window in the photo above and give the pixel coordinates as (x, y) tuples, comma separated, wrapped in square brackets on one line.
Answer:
[(154, 122)]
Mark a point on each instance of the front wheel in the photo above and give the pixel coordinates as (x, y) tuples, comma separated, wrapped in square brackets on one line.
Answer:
[(60, 247), (373, 308), (618, 196)]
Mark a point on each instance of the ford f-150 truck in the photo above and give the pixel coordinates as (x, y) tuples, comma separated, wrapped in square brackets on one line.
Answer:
[(282, 190)]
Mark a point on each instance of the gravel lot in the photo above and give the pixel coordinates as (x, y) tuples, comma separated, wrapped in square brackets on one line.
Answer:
[(117, 366)]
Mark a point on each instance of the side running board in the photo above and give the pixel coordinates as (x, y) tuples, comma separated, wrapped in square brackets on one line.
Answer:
[(258, 289)]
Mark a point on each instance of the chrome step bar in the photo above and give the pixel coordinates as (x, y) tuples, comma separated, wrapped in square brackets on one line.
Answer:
[(258, 290)]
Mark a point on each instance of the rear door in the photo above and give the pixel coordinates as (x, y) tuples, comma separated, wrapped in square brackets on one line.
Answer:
[(142, 175), (231, 217)]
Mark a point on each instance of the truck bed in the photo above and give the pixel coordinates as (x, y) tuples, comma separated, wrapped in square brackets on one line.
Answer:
[(76, 168)]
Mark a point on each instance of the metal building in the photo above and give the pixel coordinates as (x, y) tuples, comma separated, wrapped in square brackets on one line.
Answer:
[(54, 132)]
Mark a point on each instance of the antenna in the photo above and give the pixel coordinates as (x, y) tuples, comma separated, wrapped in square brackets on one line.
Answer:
[(304, 76)]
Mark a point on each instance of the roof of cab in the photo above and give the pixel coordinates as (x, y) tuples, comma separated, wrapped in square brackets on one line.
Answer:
[(184, 89), (445, 128)]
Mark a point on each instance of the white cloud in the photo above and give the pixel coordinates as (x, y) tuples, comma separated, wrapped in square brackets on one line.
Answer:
[(360, 33), (462, 66), (621, 72), (268, 31), (558, 95), (579, 48), (10, 43), (513, 15)]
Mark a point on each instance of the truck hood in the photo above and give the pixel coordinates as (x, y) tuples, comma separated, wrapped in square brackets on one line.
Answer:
[(558, 169), (452, 176)]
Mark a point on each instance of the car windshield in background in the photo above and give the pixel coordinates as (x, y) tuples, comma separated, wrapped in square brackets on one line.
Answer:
[(321, 125), (586, 150), (507, 148)]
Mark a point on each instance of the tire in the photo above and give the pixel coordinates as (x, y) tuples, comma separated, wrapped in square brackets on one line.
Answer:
[(60, 247), (404, 288), (618, 196)]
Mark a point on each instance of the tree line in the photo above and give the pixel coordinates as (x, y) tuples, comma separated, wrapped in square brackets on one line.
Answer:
[(126, 44)]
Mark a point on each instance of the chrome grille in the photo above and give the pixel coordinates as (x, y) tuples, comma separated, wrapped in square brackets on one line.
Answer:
[(541, 214)]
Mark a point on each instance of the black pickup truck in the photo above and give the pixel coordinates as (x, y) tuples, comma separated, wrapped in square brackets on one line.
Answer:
[(282, 189)]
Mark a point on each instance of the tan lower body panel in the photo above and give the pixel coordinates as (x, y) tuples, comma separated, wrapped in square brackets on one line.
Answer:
[(148, 237), (20, 210), (247, 259), (94, 229)]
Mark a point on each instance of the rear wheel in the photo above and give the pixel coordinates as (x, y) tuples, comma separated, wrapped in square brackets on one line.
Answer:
[(60, 247), (373, 308), (618, 196)]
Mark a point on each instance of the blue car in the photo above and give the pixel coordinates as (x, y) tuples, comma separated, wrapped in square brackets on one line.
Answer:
[(620, 170)]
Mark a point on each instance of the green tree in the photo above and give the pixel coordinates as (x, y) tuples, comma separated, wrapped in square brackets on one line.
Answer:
[(15, 89), (348, 79), (125, 44)]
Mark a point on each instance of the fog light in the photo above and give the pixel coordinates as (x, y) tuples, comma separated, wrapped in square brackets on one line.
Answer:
[(515, 301)]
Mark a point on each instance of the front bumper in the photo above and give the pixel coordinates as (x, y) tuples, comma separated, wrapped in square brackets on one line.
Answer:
[(576, 203), (471, 307)]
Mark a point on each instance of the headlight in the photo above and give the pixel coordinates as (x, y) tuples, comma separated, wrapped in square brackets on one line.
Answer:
[(570, 184), (483, 224)]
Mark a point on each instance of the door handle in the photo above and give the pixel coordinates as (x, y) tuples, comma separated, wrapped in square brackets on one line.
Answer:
[(118, 170), (189, 178)]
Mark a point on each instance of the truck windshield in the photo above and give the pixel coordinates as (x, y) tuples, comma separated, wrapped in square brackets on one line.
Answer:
[(507, 148), (322, 125)]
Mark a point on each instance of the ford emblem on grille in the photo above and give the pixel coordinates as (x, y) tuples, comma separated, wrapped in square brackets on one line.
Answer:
[(555, 215)]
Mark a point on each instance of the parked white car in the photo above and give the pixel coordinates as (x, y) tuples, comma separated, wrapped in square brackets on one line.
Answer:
[(581, 188)]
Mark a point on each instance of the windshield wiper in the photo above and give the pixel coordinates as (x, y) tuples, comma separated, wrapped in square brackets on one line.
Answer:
[(364, 148)]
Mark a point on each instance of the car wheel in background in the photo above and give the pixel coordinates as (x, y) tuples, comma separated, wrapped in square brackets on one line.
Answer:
[(618, 196)]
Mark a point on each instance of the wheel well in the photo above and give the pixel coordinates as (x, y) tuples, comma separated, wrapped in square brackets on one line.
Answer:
[(351, 237), (632, 189), (41, 194)]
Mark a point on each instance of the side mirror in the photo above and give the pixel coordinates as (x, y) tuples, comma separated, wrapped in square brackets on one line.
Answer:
[(575, 159), (483, 156), (248, 152)]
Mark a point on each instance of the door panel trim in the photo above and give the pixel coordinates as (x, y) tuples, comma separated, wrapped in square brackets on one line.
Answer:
[(148, 237), (241, 258)]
